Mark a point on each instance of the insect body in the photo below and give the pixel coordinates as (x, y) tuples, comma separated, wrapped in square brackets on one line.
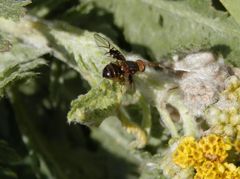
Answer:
[(121, 70)]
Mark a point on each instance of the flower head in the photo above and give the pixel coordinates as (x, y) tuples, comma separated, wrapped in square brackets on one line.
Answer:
[(207, 156), (214, 148), (231, 171), (208, 169), (224, 117), (187, 153)]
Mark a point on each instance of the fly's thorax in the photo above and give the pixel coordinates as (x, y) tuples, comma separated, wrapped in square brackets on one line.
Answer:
[(132, 67), (114, 53)]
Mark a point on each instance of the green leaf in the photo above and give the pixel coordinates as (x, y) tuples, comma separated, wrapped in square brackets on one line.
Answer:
[(79, 50), (18, 64), (108, 132), (99, 103), (18, 71), (83, 14), (19, 56), (51, 138), (74, 46), (26, 34), (12, 8), (170, 26), (233, 8)]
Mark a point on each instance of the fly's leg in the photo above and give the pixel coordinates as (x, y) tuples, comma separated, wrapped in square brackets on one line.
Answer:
[(130, 79)]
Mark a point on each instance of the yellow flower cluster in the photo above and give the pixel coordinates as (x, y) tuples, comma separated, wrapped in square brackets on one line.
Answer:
[(232, 91), (187, 153), (214, 148), (215, 170), (224, 117), (207, 157)]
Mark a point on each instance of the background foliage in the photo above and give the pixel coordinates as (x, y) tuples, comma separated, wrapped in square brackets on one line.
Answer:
[(48, 58)]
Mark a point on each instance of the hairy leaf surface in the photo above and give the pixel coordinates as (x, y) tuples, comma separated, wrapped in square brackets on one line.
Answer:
[(170, 26), (99, 103), (233, 7), (13, 9), (18, 63)]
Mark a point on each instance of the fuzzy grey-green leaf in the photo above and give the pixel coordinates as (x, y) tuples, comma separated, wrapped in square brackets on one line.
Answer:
[(233, 8), (79, 50), (18, 63), (99, 103), (170, 26), (18, 71), (13, 9), (80, 46)]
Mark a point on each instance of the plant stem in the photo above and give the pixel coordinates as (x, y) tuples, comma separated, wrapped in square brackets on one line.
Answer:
[(165, 117), (189, 122)]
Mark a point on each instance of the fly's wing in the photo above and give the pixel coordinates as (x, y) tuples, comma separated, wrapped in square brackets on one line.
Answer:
[(102, 42), (111, 50)]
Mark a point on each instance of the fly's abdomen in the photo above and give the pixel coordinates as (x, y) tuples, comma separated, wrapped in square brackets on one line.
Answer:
[(112, 71)]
